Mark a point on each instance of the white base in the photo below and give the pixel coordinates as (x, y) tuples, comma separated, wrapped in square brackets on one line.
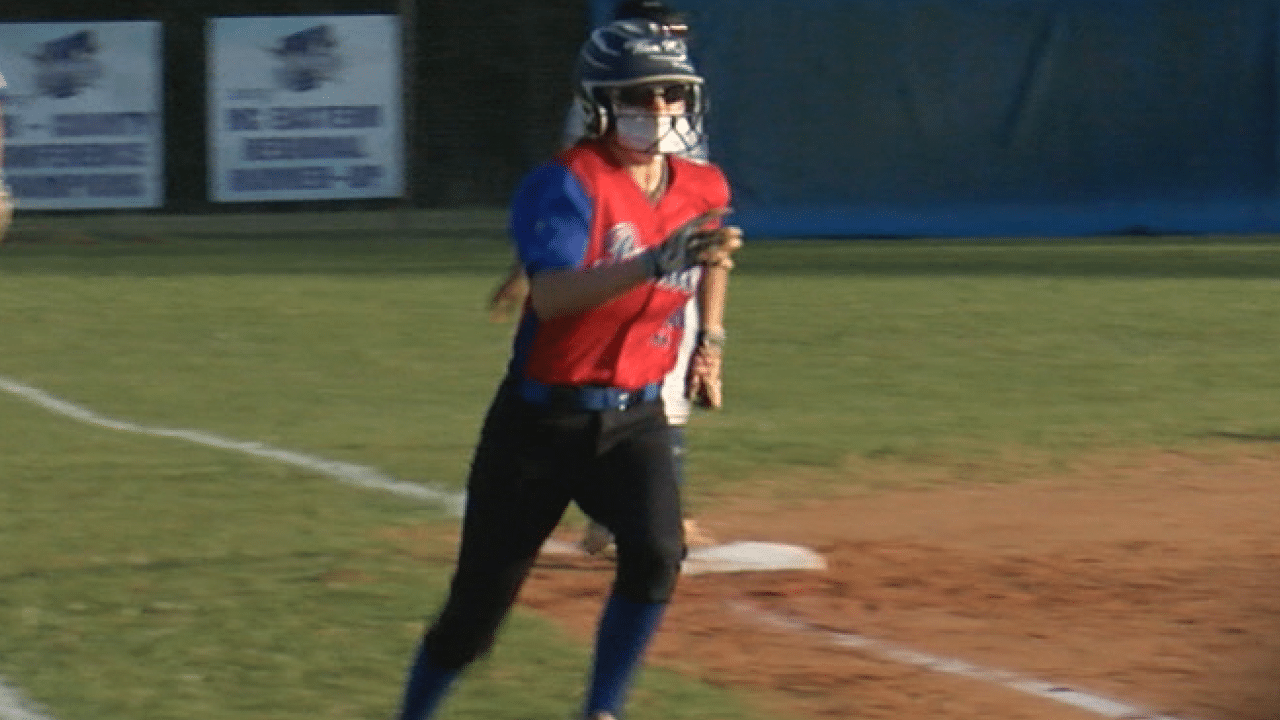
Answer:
[(751, 556), (741, 556)]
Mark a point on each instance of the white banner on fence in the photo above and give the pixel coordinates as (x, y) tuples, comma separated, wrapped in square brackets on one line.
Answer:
[(305, 108), (83, 121)]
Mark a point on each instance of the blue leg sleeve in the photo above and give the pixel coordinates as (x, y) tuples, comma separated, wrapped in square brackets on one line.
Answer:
[(624, 633), (426, 686)]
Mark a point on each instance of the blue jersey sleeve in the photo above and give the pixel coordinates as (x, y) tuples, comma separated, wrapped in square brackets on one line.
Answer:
[(551, 220)]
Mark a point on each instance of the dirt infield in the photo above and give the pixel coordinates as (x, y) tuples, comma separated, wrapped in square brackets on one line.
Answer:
[(1154, 582)]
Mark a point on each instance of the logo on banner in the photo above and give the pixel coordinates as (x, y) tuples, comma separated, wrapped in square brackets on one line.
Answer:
[(308, 59), (65, 67)]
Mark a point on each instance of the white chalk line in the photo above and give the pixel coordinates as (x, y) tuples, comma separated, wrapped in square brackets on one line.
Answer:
[(1091, 702), (349, 473), (13, 707)]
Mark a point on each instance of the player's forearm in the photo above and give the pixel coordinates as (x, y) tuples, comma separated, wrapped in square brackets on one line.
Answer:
[(515, 283), (563, 292), (712, 296)]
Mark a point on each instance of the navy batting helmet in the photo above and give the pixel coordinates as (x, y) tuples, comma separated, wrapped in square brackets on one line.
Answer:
[(653, 11), (629, 53)]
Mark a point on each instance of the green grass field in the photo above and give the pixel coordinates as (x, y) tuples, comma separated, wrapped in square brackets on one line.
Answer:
[(152, 578)]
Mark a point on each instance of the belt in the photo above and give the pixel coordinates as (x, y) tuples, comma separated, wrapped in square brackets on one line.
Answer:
[(586, 397)]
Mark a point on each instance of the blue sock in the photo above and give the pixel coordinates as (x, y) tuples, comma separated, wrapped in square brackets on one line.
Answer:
[(426, 687), (624, 633)]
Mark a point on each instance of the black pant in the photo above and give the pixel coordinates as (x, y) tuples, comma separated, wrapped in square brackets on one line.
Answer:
[(532, 460)]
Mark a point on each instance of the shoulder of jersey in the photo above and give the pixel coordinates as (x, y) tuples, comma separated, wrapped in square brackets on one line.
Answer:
[(702, 168)]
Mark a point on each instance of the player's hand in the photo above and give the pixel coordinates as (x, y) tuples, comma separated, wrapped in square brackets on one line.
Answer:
[(703, 384), (691, 244), (508, 297), (716, 247)]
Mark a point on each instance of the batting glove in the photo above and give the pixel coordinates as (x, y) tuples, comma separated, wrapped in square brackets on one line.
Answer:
[(684, 247)]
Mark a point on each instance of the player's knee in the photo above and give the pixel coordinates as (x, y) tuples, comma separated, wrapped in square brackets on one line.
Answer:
[(453, 648), (468, 625), (647, 572)]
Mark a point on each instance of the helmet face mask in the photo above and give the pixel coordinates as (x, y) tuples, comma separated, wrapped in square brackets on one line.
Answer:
[(639, 128), (629, 59)]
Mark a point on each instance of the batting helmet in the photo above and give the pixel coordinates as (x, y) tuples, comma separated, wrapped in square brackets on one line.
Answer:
[(637, 52), (653, 11)]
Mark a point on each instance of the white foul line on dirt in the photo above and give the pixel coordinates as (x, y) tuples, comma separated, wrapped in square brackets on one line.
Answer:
[(1097, 704)]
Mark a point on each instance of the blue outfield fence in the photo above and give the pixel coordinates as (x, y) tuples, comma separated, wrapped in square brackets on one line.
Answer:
[(992, 117)]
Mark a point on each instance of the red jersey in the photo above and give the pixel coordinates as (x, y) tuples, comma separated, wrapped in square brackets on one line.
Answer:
[(582, 210)]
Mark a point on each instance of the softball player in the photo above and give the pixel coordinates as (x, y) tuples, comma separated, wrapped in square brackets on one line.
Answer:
[(609, 234), (6, 199), (706, 310)]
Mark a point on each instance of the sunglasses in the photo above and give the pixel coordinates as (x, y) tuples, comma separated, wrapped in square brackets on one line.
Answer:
[(644, 95)]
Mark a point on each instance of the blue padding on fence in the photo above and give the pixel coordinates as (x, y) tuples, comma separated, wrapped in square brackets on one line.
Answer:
[(993, 117), (1009, 221)]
